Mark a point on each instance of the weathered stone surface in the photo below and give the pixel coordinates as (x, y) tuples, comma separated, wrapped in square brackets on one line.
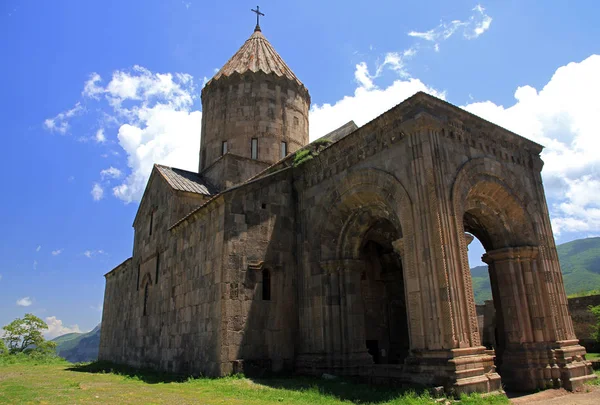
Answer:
[(351, 263)]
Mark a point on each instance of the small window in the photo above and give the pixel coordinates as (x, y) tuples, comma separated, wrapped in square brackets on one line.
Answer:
[(266, 285), (283, 149), (157, 267), (223, 147), (151, 222), (146, 300), (254, 148)]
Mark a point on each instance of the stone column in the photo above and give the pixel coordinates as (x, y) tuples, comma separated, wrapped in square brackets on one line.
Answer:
[(530, 356), (449, 353)]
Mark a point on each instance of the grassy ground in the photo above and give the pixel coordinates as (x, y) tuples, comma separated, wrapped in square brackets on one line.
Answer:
[(592, 356), (63, 383)]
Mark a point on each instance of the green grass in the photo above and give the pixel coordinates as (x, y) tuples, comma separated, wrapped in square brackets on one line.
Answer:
[(584, 294), (32, 359), (597, 380), (592, 356), (104, 384)]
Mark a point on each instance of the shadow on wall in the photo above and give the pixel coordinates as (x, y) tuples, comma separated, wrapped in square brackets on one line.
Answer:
[(261, 320)]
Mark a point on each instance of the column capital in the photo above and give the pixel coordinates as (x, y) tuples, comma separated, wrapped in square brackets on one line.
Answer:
[(335, 266), (468, 239), (512, 253)]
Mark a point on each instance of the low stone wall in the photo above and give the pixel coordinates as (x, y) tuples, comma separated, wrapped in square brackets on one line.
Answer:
[(583, 321)]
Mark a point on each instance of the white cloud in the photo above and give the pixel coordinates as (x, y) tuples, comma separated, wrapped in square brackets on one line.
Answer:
[(35, 263), (24, 302), (91, 89), (97, 192), (367, 103), (0, 277), (57, 252), (56, 328), (563, 117), (37, 249), (478, 23), (60, 123), (481, 23), (97, 307), (91, 253), (111, 172), (361, 74), (100, 137), (161, 127)]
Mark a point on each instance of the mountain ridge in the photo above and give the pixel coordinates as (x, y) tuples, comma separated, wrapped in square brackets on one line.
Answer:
[(579, 263)]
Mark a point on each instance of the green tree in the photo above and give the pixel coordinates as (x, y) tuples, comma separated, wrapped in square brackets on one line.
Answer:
[(596, 312), (3, 349), (25, 335)]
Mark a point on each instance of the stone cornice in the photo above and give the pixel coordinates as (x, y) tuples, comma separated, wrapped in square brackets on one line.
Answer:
[(224, 82), (416, 116), (514, 253)]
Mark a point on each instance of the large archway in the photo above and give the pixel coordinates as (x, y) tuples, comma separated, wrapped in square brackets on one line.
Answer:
[(366, 277), (489, 209), (497, 220)]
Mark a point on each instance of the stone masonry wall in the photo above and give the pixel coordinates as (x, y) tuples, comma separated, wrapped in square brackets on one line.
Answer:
[(253, 105), (583, 320), (259, 237), (180, 272), (231, 170), (112, 342)]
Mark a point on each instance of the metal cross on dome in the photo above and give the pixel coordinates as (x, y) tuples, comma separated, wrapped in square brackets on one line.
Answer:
[(258, 14)]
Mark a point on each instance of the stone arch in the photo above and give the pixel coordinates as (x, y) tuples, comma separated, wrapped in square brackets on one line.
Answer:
[(371, 191), (347, 213), (486, 203), (485, 184)]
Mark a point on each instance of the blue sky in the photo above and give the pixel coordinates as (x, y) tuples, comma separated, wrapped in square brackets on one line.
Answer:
[(94, 92)]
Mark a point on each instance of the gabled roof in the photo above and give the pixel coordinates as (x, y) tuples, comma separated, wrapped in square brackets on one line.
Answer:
[(182, 180), (257, 54)]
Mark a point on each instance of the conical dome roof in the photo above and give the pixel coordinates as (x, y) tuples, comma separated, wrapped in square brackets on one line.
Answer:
[(257, 54)]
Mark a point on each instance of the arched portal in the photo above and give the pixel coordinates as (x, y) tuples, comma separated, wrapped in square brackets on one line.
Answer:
[(531, 332), (366, 278), (497, 219)]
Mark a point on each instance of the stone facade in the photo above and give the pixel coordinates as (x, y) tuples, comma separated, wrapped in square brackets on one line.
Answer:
[(352, 261)]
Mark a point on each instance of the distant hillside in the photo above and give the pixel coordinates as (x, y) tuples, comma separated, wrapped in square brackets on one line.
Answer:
[(579, 261), (77, 347)]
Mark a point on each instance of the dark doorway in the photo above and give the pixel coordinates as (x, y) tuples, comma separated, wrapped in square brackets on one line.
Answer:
[(382, 290), (373, 349)]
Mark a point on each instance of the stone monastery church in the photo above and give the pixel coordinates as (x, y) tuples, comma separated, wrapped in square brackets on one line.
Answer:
[(347, 255)]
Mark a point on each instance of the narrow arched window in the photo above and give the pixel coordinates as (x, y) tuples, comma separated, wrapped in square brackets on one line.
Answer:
[(266, 285), (146, 299)]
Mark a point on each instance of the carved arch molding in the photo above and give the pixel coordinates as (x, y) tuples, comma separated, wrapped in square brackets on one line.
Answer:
[(363, 197)]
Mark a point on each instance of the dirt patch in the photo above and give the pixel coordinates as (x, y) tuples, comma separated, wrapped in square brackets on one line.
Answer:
[(589, 395)]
